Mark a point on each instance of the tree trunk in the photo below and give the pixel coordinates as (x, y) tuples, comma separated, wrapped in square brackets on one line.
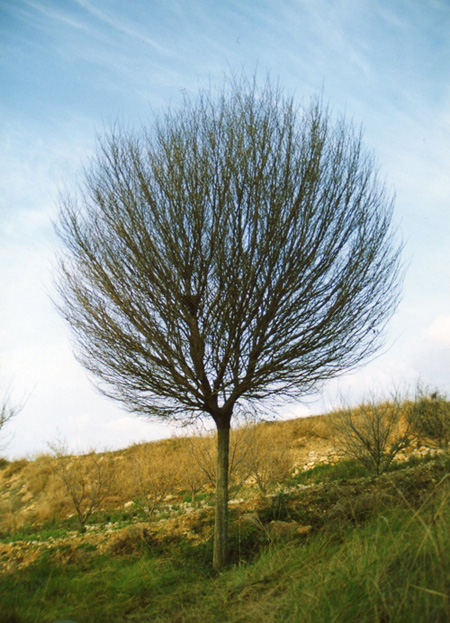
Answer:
[(221, 523)]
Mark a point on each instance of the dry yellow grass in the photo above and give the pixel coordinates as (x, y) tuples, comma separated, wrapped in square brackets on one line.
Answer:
[(31, 491), (145, 474)]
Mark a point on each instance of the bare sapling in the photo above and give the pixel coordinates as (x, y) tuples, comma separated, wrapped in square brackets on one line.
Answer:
[(8, 411), (374, 432), (243, 451), (430, 418), (86, 479), (192, 477), (154, 476), (273, 462)]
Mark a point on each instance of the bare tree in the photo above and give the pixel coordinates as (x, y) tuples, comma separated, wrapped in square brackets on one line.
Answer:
[(87, 479), (154, 475), (192, 475), (374, 432), (273, 461), (6, 413), (239, 251)]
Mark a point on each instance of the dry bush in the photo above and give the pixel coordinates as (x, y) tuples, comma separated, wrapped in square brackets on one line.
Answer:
[(272, 460), (35, 494), (7, 412), (40, 474), (191, 476), (261, 452), (48, 499), (14, 467), (202, 453), (429, 415), (12, 515), (53, 501), (243, 449), (373, 433), (153, 473), (86, 480)]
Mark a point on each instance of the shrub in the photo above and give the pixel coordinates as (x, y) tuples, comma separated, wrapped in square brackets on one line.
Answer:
[(86, 480), (261, 452), (244, 449), (273, 461), (153, 474), (309, 428), (430, 418), (373, 433), (277, 508)]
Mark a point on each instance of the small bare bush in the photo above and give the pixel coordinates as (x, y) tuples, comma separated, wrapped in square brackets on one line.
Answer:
[(261, 452), (373, 433), (273, 460), (14, 467), (86, 480), (12, 516), (49, 498), (430, 418), (191, 475), (243, 450), (7, 412), (40, 474), (202, 454), (153, 474)]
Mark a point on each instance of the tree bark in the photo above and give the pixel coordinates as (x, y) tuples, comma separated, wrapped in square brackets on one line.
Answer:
[(221, 523)]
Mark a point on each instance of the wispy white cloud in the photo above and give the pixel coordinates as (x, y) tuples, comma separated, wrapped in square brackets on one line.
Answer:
[(50, 14), (122, 25)]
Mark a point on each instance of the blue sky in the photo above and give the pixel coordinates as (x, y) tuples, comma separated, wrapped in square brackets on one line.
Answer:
[(68, 69)]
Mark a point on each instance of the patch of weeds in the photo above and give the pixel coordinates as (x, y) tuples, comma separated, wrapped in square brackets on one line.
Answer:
[(195, 555), (10, 614), (87, 547), (30, 532), (308, 476), (348, 470), (52, 528), (117, 516), (203, 496), (134, 540), (344, 470), (277, 508)]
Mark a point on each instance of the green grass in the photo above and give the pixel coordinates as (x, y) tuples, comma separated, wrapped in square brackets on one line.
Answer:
[(392, 568), (349, 469), (389, 564), (42, 532), (202, 496), (344, 470)]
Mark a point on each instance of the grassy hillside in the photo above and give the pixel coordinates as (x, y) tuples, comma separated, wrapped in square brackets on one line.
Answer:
[(329, 542), (144, 475)]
